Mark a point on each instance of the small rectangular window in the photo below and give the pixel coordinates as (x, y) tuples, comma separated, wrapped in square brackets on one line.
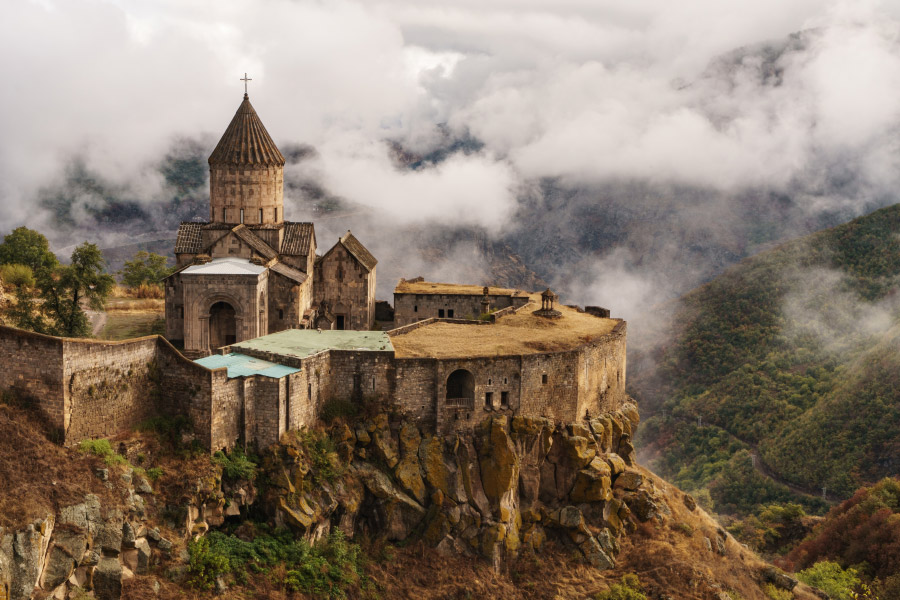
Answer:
[(450, 313), (280, 313), (504, 399), (416, 308), (242, 215), (488, 399), (224, 215), (544, 379), (260, 216), (440, 313)]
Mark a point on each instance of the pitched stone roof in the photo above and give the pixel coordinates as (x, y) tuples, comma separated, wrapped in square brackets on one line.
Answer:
[(359, 251), (246, 141), (188, 240), (297, 239), (254, 241), (289, 272)]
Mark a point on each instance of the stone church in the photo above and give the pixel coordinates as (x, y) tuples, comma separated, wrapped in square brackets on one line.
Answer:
[(247, 272)]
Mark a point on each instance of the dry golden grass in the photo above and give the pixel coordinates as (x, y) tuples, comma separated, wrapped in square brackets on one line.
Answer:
[(430, 287), (520, 333), (136, 304)]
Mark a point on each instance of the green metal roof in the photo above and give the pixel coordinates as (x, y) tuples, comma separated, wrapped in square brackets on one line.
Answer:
[(241, 365), (306, 342)]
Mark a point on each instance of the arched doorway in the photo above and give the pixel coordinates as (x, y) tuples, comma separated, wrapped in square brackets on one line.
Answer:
[(461, 389), (222, 325)]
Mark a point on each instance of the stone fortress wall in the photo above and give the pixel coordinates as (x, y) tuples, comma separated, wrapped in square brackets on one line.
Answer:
[(93, 388)]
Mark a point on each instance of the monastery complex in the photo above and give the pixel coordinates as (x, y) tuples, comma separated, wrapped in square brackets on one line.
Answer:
[(263, 332)]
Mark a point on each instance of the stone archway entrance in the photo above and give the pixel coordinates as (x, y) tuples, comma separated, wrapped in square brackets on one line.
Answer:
[(222, 325), (461, 389)]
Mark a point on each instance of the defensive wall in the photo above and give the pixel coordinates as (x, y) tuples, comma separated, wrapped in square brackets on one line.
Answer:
[(94, 388)]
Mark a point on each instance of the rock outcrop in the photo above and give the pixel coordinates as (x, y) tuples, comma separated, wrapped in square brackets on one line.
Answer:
[(493, 491)]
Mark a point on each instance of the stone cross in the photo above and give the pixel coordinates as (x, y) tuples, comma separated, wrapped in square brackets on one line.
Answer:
[(245, 80)]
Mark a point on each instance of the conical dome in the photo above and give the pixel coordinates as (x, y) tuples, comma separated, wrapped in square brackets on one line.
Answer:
[(246, 141)]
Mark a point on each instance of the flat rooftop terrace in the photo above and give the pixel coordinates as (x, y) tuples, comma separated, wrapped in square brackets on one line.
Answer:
[(452, 289), (300, 343), (520, 333)]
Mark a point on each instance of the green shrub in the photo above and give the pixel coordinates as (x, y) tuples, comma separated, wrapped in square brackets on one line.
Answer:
[(774, 593), (167, 428), (829, 577), (154, 473), (628, 589), (328, 568), (17, 275), (326, 465), (99, 447), (236, 465)]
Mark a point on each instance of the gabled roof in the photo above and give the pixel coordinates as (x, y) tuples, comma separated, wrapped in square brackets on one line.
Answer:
[(254, 241), (246, 141), (225, 266), (189, 240), (289, 272), (357, 250), (298, 238)]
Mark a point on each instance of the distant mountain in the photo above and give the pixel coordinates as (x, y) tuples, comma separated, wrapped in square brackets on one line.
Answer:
[(786, 367)]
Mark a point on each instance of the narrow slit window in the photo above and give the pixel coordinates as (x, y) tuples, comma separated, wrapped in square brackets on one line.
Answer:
[(242, 215), (260, 216), (544, 379)]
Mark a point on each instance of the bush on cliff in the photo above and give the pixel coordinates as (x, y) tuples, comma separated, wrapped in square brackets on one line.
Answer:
[(328, 568), (236, 465)]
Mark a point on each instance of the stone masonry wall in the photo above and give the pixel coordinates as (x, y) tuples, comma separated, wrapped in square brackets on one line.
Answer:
[(342, 282), (409, 308), (232, 189), (110, 387), (32, 367)]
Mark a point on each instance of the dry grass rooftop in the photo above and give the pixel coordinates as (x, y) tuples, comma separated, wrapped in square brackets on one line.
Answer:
[(520, 333), (450, 289)]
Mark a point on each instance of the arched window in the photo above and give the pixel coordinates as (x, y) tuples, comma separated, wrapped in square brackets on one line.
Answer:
[(461, 389)]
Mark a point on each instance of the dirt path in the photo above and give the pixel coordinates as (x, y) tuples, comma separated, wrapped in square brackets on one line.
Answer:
[(98, 321)]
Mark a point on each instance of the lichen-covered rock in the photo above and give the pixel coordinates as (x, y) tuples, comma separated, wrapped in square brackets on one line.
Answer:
[(499, 469), (384, 447), (616, 464), (107, 579), (431, 458), (400, 513), (410, 478), (68, 548), (629, 480), (592, 484), (595, 554)]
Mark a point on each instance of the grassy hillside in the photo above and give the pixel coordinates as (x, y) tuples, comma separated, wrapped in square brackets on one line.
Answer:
[(793, 354)]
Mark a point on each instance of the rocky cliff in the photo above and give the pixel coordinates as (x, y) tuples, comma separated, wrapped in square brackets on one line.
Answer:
[(515, 508)]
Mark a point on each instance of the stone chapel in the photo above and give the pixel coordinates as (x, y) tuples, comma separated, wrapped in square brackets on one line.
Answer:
[(247, 272)]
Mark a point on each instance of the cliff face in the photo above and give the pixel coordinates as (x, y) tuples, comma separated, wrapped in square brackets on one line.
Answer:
[(493, 491), (513, 508)]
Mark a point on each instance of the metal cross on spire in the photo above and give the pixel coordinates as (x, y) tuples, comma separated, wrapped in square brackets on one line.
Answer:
[(245, 79)]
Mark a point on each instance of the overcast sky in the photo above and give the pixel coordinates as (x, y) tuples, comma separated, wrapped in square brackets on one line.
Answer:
[(582, 90)]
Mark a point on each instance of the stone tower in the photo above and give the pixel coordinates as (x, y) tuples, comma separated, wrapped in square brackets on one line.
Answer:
[(246, 173)]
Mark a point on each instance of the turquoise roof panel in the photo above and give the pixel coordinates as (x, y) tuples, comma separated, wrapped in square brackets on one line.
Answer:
[(300, 343), (241, 365)]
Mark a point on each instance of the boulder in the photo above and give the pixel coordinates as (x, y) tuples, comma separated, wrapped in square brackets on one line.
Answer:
[(399, 513), (107, 579), (778, 578), (628, 480), (580, 450), (616, 464), (409, 477), (385, 448), (143, 556), (689, 502), (68, 548), (591, 485), (595, 554)]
